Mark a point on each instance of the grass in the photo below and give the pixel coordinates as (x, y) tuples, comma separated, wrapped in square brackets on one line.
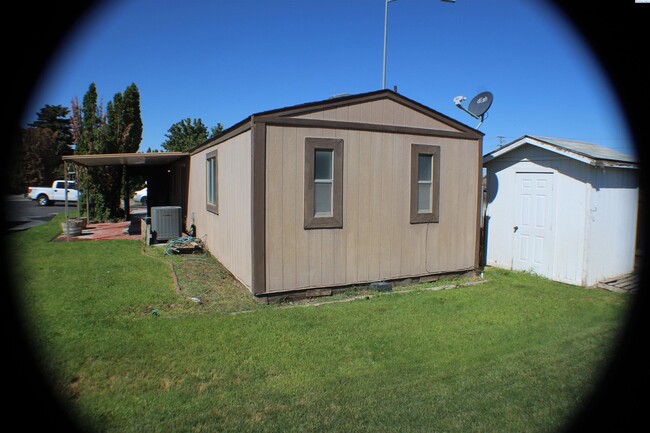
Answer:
[(518, 353)]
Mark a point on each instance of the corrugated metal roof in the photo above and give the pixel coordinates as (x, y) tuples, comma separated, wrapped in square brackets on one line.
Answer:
[(592, 154), (588, 149)]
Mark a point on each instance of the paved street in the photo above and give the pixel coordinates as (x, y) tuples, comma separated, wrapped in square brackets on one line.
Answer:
[(22, 213)]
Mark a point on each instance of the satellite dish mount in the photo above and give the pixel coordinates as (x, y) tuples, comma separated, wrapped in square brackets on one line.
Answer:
[(478, 106)]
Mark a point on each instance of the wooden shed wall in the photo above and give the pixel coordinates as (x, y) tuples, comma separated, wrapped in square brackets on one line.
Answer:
[(228, 234), (377, 241)]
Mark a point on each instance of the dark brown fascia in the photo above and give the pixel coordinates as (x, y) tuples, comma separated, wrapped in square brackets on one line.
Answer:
[(371, 127), (328, 104), (302, 109), (479, 210)]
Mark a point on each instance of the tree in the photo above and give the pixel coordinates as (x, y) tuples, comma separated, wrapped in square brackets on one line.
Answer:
[(37, 159), (41, 162), (87, 124), (188, 134), (132, 119), (215, 130), (124, 130), (92, 122), (124, 123), (118, 130), (56, 118)]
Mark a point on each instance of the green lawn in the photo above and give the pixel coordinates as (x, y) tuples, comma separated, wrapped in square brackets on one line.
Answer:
[(515, 354)]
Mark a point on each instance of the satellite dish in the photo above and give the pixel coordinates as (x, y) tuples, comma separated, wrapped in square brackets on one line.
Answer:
[(478, 106)]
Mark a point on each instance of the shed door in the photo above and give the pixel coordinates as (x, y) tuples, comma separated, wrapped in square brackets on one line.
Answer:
[(533, 224)]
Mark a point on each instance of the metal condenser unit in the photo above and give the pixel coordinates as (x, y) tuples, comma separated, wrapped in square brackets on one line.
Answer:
[(166, 222)]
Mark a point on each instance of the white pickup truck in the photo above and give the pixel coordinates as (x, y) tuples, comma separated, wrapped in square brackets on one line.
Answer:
[(46, 196)]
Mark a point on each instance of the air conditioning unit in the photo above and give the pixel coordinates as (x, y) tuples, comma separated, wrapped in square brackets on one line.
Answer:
[(166, 222)]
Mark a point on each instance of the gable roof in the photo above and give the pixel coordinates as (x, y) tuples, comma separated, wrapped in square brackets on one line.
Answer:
[(588, 153), (337, 102), (345, 100)]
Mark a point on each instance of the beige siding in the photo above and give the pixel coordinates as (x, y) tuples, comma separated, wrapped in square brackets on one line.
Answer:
[(377, 241), (380, 112), (228, 234)]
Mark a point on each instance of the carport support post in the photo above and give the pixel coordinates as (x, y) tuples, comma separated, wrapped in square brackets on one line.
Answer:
[(127, 194), (65, 179), (87, 198)]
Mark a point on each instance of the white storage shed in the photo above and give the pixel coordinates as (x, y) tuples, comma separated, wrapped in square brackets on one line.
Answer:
[(563, 209)]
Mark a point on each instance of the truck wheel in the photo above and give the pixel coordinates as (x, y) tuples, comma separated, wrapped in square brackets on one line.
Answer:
[(43, 200)]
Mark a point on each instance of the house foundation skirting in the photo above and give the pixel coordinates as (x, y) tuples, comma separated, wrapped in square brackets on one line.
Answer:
[(298, 294)]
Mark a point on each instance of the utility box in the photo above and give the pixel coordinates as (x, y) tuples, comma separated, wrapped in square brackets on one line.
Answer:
[(166, 222)]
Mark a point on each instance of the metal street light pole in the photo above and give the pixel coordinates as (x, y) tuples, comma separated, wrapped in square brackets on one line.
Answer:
[(383, 80)]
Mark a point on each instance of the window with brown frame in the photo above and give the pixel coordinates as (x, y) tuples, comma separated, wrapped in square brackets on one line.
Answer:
[(212, 182), (425, 183), (323, 183)]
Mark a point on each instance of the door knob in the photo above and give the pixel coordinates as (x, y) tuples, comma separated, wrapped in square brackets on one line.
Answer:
[(516, 228)]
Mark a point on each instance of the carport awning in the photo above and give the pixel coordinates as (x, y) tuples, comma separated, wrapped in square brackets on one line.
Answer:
[(129, 159)]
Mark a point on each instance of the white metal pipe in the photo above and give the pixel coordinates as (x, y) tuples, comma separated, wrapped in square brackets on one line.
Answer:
[(383, 79)]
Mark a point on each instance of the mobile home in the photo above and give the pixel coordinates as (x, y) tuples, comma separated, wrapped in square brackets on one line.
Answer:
[(340, 192)]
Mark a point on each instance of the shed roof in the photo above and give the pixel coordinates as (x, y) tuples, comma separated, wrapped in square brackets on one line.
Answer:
[(592, 154), (138, 159)]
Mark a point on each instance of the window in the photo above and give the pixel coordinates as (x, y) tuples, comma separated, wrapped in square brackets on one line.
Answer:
[(323, 183), (425, 183), (211, 176)]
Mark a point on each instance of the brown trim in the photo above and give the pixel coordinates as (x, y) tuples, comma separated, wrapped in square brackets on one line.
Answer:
[(336, 220), (434, 215), (214, 208), (302, 109), (328, 104), (479, 205), (258, 209), (371, 127)]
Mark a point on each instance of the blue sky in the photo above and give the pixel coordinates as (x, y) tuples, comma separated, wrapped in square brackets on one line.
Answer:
[(222, 61)]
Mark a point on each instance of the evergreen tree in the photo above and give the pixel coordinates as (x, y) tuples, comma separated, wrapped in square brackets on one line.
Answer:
[(115, 126), (94, 132), (56, 118), (40, 159), (92, 121), (188, 134), (215, 131), (133, 119)]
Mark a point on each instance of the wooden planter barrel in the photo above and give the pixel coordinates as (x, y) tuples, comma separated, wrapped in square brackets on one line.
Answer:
[(73, 227)]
